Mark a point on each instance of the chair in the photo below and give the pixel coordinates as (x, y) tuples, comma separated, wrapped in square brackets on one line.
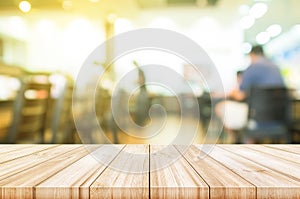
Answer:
[(6, 118), (268, 116), (62, 125), (295, 124), (29, 113)]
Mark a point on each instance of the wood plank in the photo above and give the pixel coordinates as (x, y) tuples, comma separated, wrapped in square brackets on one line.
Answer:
[(14, 166), (21, 151), (288, 168), (74, 181), (268, 182), (5, 148), (172, 177), (228, 171), (223, 182), (276, 152), (21, 185), (295, 148), (126, 177)]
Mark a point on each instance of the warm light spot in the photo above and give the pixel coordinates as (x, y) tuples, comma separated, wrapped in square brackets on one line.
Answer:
[(25, 6)]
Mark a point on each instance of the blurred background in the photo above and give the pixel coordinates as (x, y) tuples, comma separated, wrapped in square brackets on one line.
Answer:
[(47, 41)]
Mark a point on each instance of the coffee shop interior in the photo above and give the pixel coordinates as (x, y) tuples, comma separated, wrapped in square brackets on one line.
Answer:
[(45, 44)]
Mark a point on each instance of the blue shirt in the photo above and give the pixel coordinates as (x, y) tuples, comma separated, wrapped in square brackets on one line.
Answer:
[(261, 73)]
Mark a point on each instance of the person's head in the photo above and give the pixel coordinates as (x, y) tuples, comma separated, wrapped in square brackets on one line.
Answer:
[(256, 53)]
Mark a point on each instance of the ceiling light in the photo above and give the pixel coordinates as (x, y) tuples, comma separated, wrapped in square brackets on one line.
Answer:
[(247, 22), (25, 6), (262, 38), (244, 9), (274, 30), (94, 1), (258, 10)]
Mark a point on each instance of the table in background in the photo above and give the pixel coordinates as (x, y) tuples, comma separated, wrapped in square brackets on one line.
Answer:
[(228, 171)]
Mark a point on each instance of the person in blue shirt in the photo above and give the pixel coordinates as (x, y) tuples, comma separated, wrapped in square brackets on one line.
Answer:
[(261, 72)]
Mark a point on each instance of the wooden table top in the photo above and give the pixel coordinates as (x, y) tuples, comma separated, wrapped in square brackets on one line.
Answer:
[(227, 171)]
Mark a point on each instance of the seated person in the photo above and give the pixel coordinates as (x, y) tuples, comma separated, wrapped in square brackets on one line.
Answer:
[(261, 72)]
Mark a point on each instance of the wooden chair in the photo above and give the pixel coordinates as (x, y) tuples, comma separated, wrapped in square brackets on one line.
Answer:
[(6, 118), (295, 124), (29, 113), (8, 73), (62, 124), (269, 115)]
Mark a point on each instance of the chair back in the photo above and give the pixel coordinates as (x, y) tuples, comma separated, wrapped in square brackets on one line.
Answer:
[(269, 104), (29, 114), (62, 119), (269, 115)]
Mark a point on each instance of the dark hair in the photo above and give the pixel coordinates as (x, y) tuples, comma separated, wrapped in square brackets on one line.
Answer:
[(239, 72), (257, 50)]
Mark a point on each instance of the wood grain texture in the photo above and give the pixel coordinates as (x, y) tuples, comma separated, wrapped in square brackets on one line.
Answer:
[(155, 171), (126, 177), (223, 182), (280, 165), (21, 185), (5, 148), (268, 183), (172, 176), (74, 180), (295, 148), (20, 151), (281, 154), (11, 167)]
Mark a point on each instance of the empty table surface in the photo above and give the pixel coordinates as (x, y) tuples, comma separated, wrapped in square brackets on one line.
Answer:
[(149, 171)]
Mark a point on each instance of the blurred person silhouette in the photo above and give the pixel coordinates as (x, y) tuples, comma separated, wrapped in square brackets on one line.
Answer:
[(142, 100), (119, 120), (261, 72)]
